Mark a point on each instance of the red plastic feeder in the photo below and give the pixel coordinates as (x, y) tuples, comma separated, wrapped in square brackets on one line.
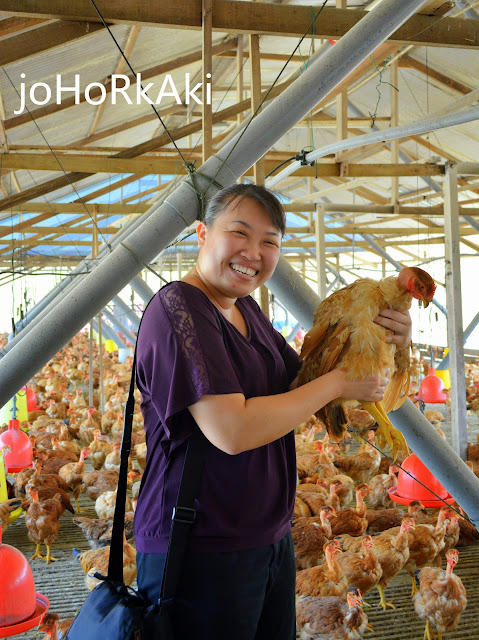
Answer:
[(432, 389), (21, 454), (409, 489), (20, 607)]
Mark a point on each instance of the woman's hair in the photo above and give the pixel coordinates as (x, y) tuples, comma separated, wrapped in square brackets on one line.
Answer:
[(221, 200)]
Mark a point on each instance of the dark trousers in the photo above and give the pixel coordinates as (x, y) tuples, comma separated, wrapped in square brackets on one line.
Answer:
[(241, 595)]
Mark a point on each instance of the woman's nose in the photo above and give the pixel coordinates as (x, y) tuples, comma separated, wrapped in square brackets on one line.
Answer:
[(252, 251)]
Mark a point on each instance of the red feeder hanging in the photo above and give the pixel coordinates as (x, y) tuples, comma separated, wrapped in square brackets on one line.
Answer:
[(20, 607), (31, 399), (21, 454), (409, 489), (432, 389)]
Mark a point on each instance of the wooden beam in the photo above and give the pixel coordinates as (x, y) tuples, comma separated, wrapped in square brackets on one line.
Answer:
[(432, 74), (8, 26), (169, 165), (207, 58), (44, 38), (252, 17), (255, 72)]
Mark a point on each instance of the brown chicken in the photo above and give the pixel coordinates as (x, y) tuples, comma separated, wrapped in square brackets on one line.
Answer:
[(344, 335), (55, 628), (42, 522), (97, 482), (72, 473), (380, 484), (99, 449), (309, 538), (331, 617), (45, 493), (362, 569), (40, 479), (425, 543), (352, 521), (392, 552), (98, 531), (96, 560), (441, 597), (327, 579), (362, 465)]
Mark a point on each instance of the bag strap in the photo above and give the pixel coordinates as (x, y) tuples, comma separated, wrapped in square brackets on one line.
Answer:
[(184, 514)]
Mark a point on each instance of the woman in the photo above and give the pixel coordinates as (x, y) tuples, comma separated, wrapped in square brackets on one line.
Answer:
[(208, 358)]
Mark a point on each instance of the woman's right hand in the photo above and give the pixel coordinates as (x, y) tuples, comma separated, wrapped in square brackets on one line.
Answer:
[(368, 389)]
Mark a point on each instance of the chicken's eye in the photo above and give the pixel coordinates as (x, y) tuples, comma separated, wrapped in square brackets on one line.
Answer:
[(422, 286)]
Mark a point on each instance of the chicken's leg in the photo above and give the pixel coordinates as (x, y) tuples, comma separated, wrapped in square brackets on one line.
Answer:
[(386, 433), (78, 509), (37, 553), (428, 634), (49, 557), (382, 601), (414, 588)]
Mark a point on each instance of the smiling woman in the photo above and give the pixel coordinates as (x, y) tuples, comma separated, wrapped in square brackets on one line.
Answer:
[(208, 358)]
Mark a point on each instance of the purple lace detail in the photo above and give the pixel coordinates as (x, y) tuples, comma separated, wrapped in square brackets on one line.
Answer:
[(182, 323)]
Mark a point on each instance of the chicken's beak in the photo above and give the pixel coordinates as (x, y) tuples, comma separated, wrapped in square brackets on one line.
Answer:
[(425, 302)]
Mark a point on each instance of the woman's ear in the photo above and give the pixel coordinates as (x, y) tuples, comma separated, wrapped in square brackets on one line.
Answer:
[(201, 233)]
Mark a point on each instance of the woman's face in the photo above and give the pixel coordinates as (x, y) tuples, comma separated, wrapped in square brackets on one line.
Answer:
[(240, 251)]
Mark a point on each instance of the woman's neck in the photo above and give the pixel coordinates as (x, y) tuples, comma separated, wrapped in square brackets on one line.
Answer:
[(224, 304)]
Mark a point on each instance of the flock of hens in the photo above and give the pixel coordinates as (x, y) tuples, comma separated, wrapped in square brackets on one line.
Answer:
[(349, 538)]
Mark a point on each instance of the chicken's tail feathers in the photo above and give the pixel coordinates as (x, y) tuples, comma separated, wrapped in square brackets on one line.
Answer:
[(335, 417), (313, 338)]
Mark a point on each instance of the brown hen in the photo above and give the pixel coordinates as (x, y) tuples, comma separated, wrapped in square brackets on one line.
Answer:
[(344, 335)]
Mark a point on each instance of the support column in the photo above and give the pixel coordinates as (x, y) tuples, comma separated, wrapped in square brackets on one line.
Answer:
[(455, 337), (394, 123), (255, 72), (207, 110), (319, 229), (341, 103)]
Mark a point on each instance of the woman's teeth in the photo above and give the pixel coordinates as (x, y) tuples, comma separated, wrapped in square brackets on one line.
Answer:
[(245, 270)]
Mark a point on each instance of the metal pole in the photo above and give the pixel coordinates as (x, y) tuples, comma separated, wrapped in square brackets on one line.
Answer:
[(180, 209), (140, 287), (444, 364), (455, 338), (109, 332), (116, 323), (126, 312), (421, 436)]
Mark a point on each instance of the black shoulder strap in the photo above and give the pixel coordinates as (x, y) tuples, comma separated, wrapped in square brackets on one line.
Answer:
[(184, 513)]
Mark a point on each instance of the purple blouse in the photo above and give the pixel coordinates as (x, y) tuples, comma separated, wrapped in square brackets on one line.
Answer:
[(246, 500)]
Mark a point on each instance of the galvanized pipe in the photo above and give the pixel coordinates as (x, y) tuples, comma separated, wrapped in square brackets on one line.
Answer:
[(126, 312), (140, 287), (180, 209), (120, 327), (109, 332)]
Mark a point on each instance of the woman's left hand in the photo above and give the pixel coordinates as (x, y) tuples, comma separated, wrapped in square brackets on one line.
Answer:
[(399, 322)]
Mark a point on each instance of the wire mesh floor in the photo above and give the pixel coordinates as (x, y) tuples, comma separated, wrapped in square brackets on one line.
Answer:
[(62, 581)]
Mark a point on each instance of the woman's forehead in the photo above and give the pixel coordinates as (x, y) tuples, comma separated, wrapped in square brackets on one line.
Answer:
[(248, 212)]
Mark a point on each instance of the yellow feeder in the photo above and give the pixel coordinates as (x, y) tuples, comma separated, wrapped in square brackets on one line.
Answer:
[(4, 492), (444, 374), (110, 346)]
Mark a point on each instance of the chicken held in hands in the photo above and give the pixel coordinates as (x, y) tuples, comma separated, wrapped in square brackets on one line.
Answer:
[(331, 617), (441, 597), (345, 336)]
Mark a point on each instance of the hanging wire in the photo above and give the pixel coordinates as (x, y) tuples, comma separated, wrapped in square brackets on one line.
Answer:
[(378, 87)]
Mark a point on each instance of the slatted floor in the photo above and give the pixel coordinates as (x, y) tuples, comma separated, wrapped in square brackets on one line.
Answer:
[(62, 581)]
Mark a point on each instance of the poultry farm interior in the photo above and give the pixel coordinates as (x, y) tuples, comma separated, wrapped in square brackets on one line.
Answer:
[(63, 581)]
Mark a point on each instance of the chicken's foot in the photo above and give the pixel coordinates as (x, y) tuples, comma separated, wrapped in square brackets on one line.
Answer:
[(387, 434), (37, 553), (78, 509), (382, 602), (49, 557), (414, 588)]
